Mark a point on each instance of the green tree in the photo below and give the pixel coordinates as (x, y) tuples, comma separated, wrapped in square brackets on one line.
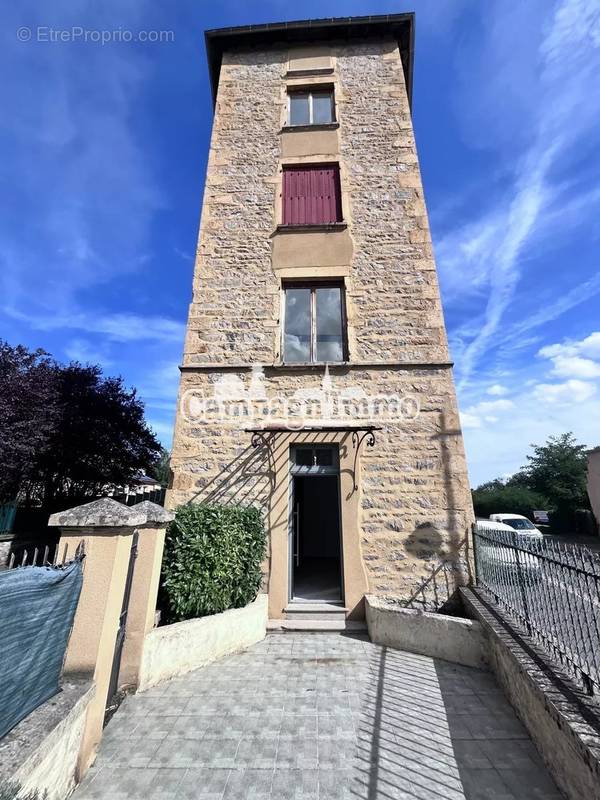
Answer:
[(28, 413), (99, 438), (558, 470), (66, 432), (497, 496), (162, 469)]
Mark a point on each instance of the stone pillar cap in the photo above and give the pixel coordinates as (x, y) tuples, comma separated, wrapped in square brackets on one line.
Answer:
[(109, 513)]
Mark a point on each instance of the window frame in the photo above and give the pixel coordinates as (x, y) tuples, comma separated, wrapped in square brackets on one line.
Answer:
[(310, 91), (313, 285)]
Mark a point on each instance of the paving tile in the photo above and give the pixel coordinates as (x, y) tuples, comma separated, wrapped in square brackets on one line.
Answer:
[(332, 717), (471, 753), (336, 726), (484, 784), (180, 753), (297, 753), (203, 782), (249, 784), (299, 725), (533, 783), (256, 753), (189, 727), (295, 784), (335, 753)]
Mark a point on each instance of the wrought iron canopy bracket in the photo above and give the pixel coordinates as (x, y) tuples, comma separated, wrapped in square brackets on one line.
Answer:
[(358, 437), (259, 438)]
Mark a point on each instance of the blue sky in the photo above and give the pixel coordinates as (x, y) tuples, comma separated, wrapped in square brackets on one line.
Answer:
[(103, 158)]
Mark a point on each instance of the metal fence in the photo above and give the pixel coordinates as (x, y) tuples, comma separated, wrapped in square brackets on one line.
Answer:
[(27, 554), (550, 588)]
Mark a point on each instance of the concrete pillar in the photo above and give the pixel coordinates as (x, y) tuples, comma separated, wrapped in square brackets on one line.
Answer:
[(144, 589), (107, 529)]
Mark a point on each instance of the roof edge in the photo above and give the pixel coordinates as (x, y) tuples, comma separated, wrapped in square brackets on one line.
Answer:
[(400, 26)]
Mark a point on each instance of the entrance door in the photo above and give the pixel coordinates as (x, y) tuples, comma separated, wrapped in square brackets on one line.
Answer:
[(315, 530)]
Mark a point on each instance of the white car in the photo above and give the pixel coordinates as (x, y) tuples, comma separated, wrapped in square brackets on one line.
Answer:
[(502, 562), (518, 523)]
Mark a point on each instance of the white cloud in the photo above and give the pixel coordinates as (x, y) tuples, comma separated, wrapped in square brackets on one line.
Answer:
[(485, 411), (567, 393), (497, 390), (86, 353), (575, 367), (116, 327), (468, 420), (575, 359), (549, 77)]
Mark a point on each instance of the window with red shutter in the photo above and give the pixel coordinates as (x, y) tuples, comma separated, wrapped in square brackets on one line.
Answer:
[(311, 195)]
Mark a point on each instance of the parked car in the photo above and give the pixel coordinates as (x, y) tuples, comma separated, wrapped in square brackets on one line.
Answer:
[(503, 562), (518, 522)]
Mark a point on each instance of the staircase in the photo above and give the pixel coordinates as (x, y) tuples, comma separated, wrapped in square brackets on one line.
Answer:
[(306, 616)]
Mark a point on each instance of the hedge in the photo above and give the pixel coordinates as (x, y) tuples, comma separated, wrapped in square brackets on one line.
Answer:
[(212, 559)]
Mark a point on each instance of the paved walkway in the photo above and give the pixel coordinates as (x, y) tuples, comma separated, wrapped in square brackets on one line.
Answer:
[(322, 716)]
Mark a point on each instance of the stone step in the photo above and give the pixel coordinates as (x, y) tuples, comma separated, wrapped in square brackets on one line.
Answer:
[(323, 611), (314, 625)]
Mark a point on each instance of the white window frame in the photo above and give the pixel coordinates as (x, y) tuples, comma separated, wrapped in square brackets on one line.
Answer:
[(310, 91)]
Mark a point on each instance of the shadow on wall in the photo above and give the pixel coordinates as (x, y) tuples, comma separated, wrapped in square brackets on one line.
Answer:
[(248, 479), (448, 551)]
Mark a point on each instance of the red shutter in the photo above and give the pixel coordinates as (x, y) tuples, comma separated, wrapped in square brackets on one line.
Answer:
[(311, 195)]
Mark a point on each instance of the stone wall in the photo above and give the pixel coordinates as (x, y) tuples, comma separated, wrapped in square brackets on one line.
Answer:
[(413, 497), (415, 503)]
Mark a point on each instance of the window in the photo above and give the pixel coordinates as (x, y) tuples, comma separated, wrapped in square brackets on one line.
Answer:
[(314, 323), (311, 107), (324, 457), (311, 195)]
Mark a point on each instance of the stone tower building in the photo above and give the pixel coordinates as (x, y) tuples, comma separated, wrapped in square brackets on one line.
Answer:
[(316, 380)]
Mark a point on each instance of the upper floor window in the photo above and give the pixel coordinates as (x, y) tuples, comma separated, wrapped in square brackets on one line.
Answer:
[(314, 326), (311, 107), (311, 195)]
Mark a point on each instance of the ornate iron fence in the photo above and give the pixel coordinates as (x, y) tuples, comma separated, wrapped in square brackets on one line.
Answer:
[(550, 588)]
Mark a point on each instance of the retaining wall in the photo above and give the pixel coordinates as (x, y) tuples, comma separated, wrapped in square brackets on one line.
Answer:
[(436, 635), (173, 650), (41, 752)]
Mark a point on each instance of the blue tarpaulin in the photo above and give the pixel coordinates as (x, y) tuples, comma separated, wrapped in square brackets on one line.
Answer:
[(37, 608)]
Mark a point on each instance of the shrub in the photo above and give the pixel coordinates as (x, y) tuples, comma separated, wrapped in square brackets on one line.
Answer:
[(212, 559)]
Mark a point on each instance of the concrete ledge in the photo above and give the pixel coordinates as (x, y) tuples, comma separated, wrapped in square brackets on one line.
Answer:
[(41, 752), (460, 641), (562, 721), (179, 648)]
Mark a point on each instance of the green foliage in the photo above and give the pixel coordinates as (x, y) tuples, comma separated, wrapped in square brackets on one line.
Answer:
[(558, 470), (554, 480), (496, 497), (212, 559), (162, 469), (66, 431)]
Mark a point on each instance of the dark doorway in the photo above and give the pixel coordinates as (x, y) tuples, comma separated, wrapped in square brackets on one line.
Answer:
[(316, 563)]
